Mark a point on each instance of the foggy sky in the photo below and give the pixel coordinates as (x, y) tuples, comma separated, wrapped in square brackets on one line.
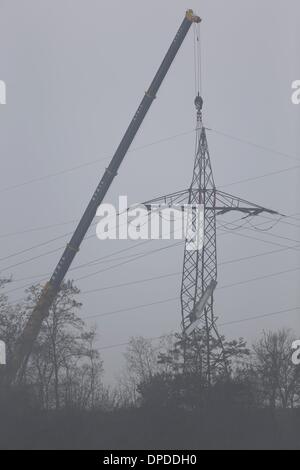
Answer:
[(75, 73)]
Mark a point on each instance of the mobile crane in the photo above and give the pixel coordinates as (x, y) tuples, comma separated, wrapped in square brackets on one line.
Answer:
[(23, 347)]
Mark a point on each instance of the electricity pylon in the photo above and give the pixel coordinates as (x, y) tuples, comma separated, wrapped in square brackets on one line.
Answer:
[(199, 277)]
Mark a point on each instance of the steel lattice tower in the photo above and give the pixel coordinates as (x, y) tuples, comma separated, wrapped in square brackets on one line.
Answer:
[(200, 266), (199, 276)]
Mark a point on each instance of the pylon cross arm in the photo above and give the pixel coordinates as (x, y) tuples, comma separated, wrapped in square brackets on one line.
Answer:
[(220, 202)]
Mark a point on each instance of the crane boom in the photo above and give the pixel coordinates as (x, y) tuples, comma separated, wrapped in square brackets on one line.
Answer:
[(41, 310)]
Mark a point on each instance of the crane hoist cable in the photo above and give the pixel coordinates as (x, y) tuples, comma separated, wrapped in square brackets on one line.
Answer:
[(198, 59)]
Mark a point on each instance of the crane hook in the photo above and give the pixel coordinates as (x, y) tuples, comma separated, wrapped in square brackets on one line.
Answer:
[(199, 102)]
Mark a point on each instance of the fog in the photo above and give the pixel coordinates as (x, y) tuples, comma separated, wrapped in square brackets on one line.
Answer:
[(75, 73)]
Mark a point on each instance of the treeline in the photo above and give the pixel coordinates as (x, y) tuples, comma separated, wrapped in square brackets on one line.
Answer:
[(175, 373), (169, 378)]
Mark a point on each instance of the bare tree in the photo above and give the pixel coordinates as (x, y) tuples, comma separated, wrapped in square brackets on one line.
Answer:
[(142, 363), (64, 367), (278, 377), (12, 320), (141, 357)]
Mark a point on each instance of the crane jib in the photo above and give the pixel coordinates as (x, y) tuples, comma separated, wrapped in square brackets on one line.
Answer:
[(31, 330), (111, 171)]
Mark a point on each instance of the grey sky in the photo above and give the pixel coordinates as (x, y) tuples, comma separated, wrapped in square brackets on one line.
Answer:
[(75, 73)]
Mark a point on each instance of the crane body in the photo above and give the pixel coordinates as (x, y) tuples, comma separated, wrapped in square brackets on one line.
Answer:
[(25, 343)]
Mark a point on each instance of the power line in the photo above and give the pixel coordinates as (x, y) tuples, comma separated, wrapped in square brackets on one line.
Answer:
[(235, 260), (37, 229), (46, 253), (253, 144), (130, 260), (127, 284), (80, 266), (260, 278), (93, 162), (89, 263), (129, 309), (137, 307), (177, 273), (46, 227), (99, 260), (50, 175), (136, 149), (133, 258), (26, 250), (140, 281), (51, 241), (105, 258), (157, 142), (162, 249), (69, 233), (265, 175), (273, 235), (89, 163), (31, 259), (282, 220), (257, 317), (58, 238), (233, 322), (268, 242)]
